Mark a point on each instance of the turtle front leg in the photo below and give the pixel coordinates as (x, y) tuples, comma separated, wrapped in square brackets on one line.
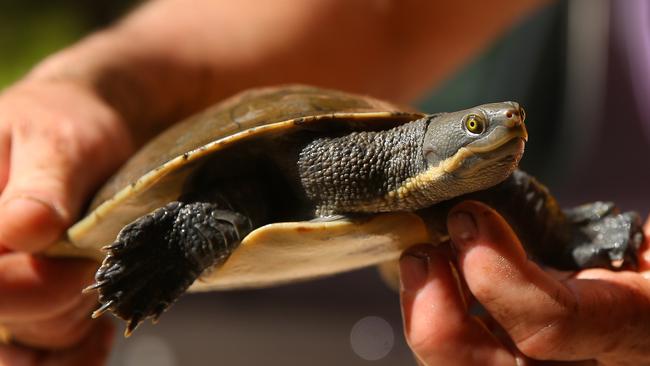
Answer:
[(604, 237), (158, 256), (591, 235)]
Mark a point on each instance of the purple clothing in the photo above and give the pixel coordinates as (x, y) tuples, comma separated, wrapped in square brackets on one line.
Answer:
[(631, 33), (616, 166)]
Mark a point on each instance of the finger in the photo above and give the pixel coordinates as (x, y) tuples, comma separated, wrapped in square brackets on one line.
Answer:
[(61, 331), (545, 318), (5, 153), (437, 325), (52, 141), (515, 291), (92, 351), (38, 202), (613, 316), (35, 288), (644, 250)]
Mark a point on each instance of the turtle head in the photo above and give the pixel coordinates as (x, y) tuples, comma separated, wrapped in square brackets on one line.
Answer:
[(479, 147)]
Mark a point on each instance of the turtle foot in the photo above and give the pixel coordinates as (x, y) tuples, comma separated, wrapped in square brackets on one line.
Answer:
[(143, 272), (158, 256), (603, 237)]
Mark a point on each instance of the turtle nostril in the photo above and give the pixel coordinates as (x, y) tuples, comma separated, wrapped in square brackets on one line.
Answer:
[(514, 117)]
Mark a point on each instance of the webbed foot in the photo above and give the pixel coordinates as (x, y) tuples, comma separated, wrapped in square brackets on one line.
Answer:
[(140, 276), (603, 237), (158, 256)]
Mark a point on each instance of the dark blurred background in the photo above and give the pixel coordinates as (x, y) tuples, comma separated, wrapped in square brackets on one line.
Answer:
[(587, 143)]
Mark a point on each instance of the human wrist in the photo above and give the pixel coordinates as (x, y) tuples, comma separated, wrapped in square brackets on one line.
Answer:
[(82, 66), (100, 66)]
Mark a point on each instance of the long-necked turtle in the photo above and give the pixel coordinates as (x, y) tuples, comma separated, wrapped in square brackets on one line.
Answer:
[(279, 184)]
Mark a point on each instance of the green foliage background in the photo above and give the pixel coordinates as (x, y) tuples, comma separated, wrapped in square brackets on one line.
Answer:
[(31, 29)]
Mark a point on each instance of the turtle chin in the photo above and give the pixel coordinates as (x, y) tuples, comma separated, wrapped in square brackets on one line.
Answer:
[(492, 167), (511, 152)]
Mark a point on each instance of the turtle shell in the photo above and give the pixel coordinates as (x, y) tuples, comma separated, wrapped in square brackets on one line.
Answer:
[(275, 253)]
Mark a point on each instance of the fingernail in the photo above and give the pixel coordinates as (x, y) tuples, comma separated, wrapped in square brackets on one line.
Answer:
[(29, 224), (414, 267), (462, 227), (18, 203)]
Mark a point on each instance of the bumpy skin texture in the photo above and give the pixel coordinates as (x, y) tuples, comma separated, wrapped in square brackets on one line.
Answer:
[(591, 235), (342, 174), (411, 166), (604, 237), (189, 238), (157, 257)]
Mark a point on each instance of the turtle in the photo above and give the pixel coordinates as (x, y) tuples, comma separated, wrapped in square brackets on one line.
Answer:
[(288, 183)]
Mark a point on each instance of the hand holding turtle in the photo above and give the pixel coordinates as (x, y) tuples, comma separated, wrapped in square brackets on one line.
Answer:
[(49, 131), (596, 315)]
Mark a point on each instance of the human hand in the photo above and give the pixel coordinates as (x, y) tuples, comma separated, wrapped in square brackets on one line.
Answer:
[(92, 350), (58, 142), (595, 317)]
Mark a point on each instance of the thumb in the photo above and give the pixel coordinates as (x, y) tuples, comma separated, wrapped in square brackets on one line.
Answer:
[(58, 142), (522, 298), (644, 251), (93, 350), (49, 180), (41, 196), (596, 314)]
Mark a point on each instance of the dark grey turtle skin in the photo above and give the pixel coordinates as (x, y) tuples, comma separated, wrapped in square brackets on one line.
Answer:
[(329, 160)]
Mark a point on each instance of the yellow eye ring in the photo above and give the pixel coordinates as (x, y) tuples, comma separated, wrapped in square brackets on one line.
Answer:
[(474, 124)]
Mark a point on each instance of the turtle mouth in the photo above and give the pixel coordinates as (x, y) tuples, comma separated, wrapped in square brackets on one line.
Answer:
[(510, 151), (499, 137), (505, 145), (492, 166)]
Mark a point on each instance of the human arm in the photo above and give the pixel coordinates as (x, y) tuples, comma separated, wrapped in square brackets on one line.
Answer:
[(168, 59), (79, 114)]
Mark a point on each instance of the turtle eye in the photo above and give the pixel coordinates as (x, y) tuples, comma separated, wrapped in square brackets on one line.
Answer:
[(474, 124)]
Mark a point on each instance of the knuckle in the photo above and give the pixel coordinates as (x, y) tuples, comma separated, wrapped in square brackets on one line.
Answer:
[(64, 336), (73, 333), (486, 284), (543, 342), (58, 331), (437, 340), (548, 334)]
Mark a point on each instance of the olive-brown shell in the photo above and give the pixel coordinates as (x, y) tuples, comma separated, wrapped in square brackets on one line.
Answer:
[(156, 174)]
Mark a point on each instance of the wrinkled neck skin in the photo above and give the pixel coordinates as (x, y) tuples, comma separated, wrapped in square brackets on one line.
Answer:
[(384, 171), (356, 172)]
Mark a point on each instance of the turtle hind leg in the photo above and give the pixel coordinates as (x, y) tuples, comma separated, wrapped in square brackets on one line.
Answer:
[(158, 256)]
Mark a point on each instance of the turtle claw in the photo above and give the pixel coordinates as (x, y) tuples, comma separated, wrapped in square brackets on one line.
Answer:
[(158, 256), (143, 272), (102, 309), (133, 324), (158, 312), (112, 247), (94, 287), (132, 279)]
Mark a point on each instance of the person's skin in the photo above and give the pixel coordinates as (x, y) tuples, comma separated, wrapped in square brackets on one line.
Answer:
[(595, 317), (81, 113)]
